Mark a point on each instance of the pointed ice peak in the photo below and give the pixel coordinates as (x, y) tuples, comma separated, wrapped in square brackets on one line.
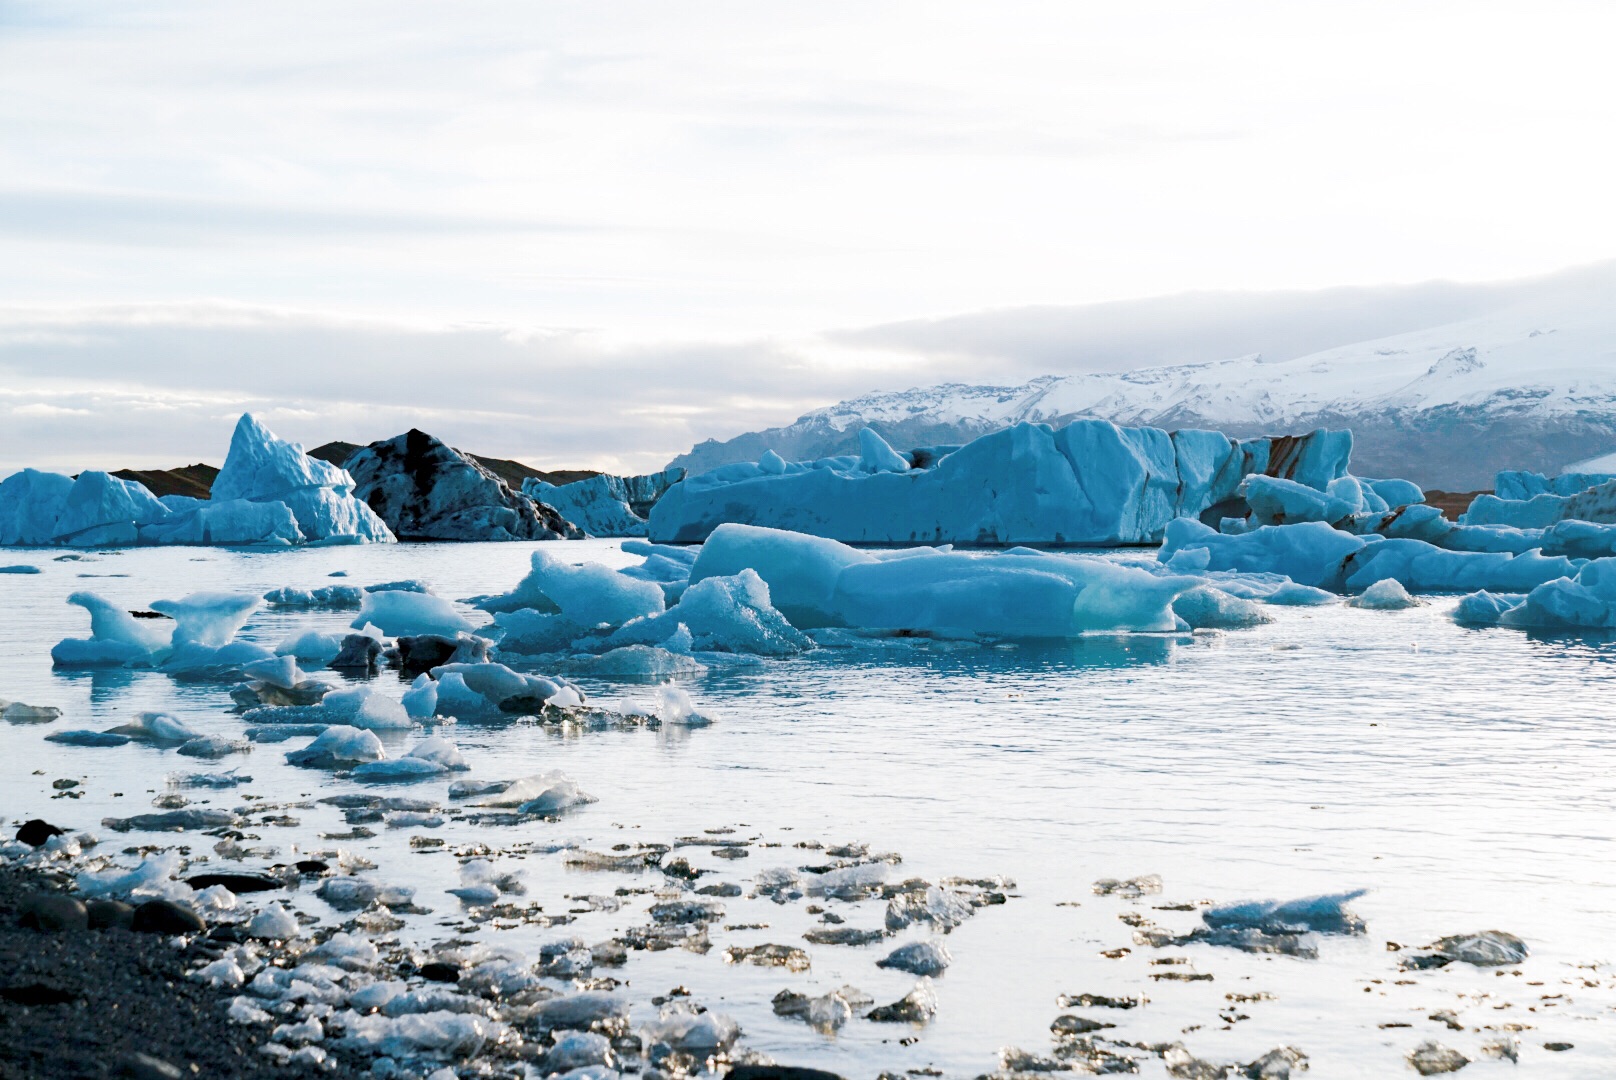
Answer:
[(261, 466)]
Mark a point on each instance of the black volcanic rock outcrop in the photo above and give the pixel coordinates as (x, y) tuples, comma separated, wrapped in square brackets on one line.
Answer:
[(427, 490)]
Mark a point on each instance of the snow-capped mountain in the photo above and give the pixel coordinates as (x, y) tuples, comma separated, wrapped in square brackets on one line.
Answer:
[(1532, 385)]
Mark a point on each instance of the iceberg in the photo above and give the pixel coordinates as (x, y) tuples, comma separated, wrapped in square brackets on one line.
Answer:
[(269, 493), (605, 505), (410, 614), (1090, 482), (718, 614), (31, 502), (338, 747), (816, 582), (589, 595), (260, 468), (425, 489)]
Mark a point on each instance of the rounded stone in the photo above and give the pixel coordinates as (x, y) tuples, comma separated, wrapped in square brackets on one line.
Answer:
[(53, 912), (166, 917)]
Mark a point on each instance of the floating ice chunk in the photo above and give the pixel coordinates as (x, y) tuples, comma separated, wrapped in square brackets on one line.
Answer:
[(1206, 607), (581, 1011), (398, 770), (213, 747), (1486, 948), (471, 690), (15, 712), (20, 568), (589, 595), (683, 1028), (1424, 568), (152, 872), (439, 751), (578, 1050), (116, 639), (857, 876), (85, 737), (1291, 594), (1276, 501), (313, 646), (447, 1034), (1310, 553), (223, 973), (1385, 595), (674, 707), (1326, 914), (273, 923), (721, 614), (547, 793), (801, 571), (207, 779), (156, 727), (644, 662), (408, 614), (421, 699), (326, 596), (337, 747), (210, 619), (362, 707), (281, 671)]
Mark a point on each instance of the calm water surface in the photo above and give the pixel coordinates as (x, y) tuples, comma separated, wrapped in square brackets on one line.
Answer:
[(1465, 777)]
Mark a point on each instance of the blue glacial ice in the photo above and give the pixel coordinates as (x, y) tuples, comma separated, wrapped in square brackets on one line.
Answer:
[(268, 493), (1090, 482)]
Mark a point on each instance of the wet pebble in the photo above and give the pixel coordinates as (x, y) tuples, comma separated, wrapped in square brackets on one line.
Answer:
[(166, 917)]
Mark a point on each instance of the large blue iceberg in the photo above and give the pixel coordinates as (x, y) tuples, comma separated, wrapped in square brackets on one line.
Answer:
[(1088, 483), (269, 493)]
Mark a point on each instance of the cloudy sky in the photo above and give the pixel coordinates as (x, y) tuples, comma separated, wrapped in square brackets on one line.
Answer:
[(591, 234)]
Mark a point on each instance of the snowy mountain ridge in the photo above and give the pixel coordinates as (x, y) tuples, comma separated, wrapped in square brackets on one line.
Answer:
[(1533, 385)]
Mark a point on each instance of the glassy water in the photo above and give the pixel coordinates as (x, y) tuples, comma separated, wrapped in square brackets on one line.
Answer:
[(1466, 778)]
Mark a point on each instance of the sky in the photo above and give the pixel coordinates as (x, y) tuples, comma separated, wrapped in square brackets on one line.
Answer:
[(592, 234)]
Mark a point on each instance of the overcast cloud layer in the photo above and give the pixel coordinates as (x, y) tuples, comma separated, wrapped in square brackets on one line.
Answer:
[(592, 234)]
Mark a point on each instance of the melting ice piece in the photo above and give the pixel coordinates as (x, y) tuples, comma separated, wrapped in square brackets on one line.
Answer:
[(589, 595), (117, 638), (409, 614), (338, 746), (547, 793), (1325, 914), (156, 727), (1387, 594)]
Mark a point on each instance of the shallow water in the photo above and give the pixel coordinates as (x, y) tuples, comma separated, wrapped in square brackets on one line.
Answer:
[(1465, 777)]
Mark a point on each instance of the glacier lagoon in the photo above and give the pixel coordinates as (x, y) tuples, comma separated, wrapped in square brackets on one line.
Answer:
[(1463, 776)]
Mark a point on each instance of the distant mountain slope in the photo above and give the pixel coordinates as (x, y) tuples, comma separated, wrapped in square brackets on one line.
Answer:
[(1531, 385)]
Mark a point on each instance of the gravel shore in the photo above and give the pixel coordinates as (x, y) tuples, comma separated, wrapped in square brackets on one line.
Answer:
[(83, 1003)]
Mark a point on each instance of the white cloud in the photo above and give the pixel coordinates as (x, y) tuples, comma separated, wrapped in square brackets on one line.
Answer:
[(584, 232)]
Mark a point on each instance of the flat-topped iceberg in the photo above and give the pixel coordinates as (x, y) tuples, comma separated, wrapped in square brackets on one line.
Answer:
[(1088, 483), (816, 582)]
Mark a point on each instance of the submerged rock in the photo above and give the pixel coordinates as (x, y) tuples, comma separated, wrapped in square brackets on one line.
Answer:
[(1432, 1059), (918, 1006), (427, 490), (918, 958), (1488, 948)]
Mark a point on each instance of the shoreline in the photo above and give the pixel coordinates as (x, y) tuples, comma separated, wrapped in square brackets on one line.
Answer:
[(126, 994)]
